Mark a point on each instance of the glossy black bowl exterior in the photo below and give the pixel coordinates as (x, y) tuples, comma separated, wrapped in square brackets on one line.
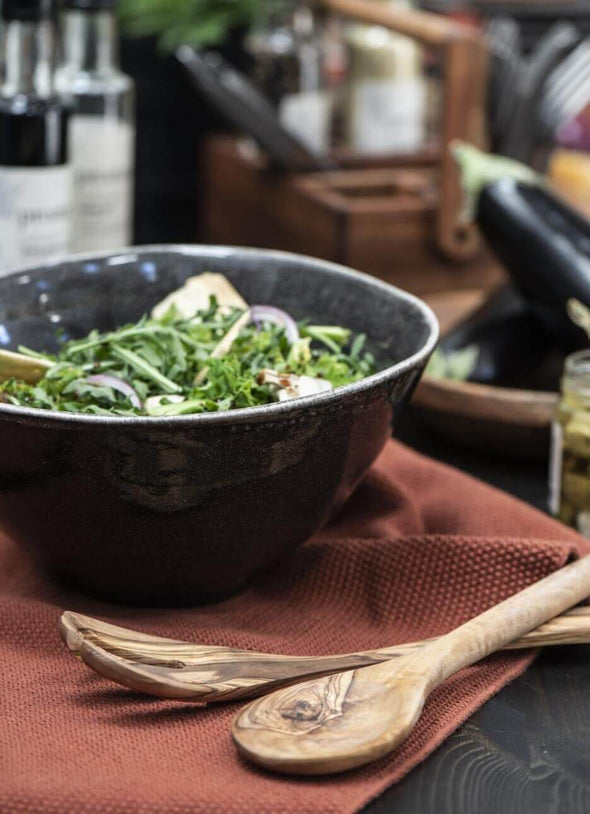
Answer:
[(188, 509)]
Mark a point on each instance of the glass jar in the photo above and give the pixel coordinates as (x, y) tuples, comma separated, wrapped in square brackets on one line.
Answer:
[(569, 481)]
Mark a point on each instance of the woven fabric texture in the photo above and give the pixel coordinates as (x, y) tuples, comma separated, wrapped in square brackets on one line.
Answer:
[(418, 549)]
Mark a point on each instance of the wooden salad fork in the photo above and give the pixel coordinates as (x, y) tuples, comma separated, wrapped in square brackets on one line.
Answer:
[(186, 671), (343, 721)]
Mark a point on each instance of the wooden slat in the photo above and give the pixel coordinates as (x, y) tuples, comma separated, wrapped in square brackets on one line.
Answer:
[(465, 60)]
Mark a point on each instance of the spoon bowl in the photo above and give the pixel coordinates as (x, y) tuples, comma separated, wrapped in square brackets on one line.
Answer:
[(345, 721), (335, 723)]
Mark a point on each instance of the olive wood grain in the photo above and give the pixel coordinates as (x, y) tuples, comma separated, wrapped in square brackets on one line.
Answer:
[(18, 366), (186, 671), (346, 720)]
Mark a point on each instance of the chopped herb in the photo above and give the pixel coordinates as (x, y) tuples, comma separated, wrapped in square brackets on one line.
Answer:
[(174, 367)]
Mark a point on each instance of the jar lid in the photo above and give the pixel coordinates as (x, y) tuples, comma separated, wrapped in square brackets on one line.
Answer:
[(28, 10)]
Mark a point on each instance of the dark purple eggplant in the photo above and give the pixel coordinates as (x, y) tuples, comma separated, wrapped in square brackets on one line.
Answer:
[(543, 243), (514, 350)]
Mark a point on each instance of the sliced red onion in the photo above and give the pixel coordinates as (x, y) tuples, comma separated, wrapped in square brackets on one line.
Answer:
[(268, 313), (104, 380)]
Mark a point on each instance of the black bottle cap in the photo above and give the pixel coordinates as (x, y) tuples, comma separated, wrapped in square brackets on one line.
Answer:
[(90, 5), (28, 10)]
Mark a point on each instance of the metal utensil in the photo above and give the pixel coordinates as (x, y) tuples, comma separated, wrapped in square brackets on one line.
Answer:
[(522, 131)]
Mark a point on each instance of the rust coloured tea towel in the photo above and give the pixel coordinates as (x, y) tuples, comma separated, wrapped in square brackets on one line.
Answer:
[(418, 549)]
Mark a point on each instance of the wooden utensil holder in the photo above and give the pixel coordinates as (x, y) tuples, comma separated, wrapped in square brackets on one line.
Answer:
[(398, 219)]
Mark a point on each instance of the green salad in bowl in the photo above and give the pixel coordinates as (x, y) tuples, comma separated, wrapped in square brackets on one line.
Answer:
[(202, 349), (179, 438)]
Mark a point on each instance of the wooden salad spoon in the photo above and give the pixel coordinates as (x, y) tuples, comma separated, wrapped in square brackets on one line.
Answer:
[(346, 720), (18, 366), (168, 668)]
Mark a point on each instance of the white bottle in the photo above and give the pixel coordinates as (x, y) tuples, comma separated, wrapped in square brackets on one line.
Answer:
[(102, 131), (386, 110), (35, 177)]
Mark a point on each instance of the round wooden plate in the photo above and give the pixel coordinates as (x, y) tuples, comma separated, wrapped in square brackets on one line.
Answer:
[(492, 419)]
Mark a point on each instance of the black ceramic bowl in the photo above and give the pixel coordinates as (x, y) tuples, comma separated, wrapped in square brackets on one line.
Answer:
[(188, 509)]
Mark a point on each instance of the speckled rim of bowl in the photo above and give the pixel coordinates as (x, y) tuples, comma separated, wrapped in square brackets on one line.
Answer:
[(244, 415)]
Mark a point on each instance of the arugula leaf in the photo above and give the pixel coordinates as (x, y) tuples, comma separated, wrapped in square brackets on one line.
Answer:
[(161, 358)]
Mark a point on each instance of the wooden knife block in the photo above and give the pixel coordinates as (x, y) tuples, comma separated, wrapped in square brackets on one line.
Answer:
[(398, 218), (380, 221)]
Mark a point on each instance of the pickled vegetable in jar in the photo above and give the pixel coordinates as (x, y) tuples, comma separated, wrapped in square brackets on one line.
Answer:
[(569, 479)]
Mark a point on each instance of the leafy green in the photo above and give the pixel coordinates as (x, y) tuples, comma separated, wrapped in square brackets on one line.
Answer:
[(457, 365), (478, 169), (161, 360), (191, 22)]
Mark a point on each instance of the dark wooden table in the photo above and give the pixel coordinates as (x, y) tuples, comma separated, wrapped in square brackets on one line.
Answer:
[(527, 751)]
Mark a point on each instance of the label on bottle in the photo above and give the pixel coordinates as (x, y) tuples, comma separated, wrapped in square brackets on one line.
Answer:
[(555, 467), (102, 153), (307, 117), (35, 215), (388, 115)]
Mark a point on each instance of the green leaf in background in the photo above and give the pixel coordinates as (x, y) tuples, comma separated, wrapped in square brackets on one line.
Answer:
[(191, 22), (457, 365)]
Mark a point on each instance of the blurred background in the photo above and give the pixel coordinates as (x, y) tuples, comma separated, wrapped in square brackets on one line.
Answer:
[(319, 126), (266, 38), (330, 128), (323, 127)]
